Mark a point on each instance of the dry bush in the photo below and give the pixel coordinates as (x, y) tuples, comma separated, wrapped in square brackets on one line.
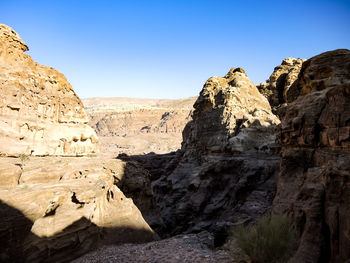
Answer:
[(270, 240)]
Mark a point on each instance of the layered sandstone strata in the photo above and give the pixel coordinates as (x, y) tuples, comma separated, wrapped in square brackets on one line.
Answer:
[(136, 126), (40, 114), (314, 182)]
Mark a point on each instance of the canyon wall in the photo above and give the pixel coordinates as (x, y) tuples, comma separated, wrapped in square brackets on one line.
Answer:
[(313, 185), (54, 208), (230, 169), (40, 114)]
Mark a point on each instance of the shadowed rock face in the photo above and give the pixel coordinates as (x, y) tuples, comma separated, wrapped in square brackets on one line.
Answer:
[(314, 182), (40, 114), (62, 208), (224, 173), (277, 88)]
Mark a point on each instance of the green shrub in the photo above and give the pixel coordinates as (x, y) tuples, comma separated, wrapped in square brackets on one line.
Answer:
[(270, 240)]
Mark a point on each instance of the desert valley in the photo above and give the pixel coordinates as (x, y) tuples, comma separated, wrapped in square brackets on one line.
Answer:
[(161, 180)]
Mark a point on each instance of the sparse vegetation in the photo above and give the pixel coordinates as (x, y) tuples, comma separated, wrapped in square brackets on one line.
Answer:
[(270, 240), (23, 157)]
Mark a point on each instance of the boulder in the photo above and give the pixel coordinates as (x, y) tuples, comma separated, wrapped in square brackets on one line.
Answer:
[(40, 114), (71, 207)]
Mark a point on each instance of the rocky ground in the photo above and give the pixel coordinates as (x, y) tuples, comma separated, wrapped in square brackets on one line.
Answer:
[(192, 248)]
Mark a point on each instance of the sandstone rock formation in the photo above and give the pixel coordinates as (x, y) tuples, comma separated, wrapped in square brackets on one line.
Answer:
[(313, 185), (40, 114), (224, 173), (280, 81), (137, 126), (55, 209), (230, 116)]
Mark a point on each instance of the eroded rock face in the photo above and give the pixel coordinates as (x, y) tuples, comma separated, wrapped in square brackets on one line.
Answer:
[(62, 208), (224, 173), (230, 116), (277, 89), (137, 126), (40, 114), (314, 183)]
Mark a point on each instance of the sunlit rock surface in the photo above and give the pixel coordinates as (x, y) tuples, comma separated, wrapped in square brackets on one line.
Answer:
[(61, 208), (230, 116), (40, 114)]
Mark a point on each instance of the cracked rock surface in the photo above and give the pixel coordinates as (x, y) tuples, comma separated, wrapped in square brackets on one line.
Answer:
[(65, 207)]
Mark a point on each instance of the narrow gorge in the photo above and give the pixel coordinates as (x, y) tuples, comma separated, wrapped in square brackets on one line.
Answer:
[(141, 180)]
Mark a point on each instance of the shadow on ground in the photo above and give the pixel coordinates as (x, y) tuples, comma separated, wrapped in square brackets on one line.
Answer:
[(192, 197), (19, 244)]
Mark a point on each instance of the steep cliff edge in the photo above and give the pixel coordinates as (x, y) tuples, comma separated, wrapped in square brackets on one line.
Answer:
[(40, 114), (314, 182)]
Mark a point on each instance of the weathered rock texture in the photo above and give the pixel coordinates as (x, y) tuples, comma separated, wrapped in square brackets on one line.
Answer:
[(276, 90), (137, 126), (314, 183), (55, 209), (40, 114), (230, 116), (224, 173)]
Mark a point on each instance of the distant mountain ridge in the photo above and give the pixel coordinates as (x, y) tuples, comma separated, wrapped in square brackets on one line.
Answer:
[(136, 125)]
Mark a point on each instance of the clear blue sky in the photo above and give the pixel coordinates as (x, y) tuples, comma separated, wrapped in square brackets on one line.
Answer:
[(168, 49)]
